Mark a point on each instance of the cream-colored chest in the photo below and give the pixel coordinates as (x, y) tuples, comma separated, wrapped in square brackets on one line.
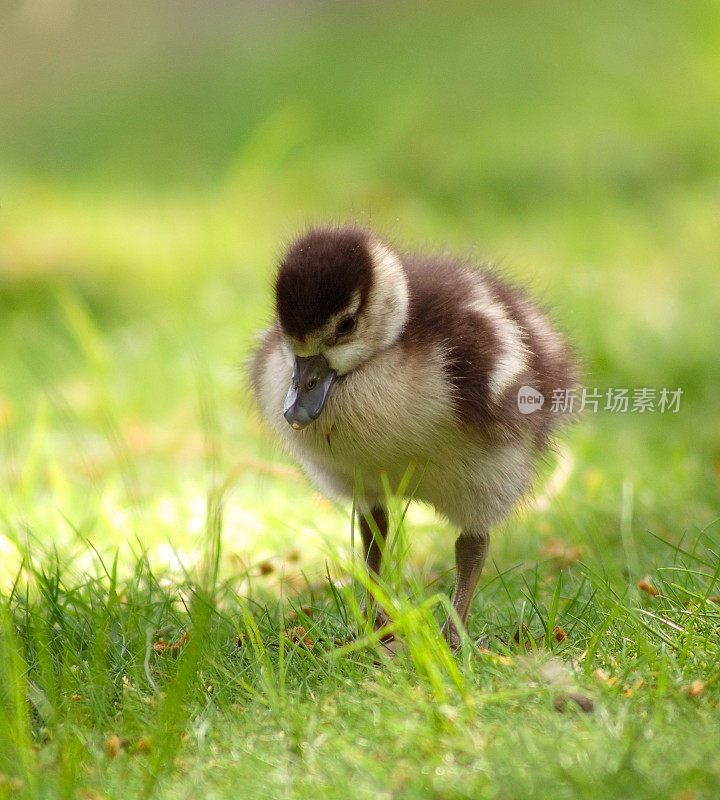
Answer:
[(395, 409)]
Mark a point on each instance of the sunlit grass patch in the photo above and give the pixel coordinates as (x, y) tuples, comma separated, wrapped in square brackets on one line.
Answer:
[(135, 683)]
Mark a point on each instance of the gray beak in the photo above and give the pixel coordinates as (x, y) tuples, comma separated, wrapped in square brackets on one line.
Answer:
[(311, 382)]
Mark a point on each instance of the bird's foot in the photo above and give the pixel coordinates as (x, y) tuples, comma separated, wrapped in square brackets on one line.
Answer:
[(379, 620), (451, 635)]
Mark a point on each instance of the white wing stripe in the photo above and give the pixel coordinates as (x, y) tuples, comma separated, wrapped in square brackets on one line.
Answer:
[(512, 358)]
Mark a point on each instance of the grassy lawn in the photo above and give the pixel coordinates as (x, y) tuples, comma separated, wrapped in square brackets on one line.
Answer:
[(176, 602)]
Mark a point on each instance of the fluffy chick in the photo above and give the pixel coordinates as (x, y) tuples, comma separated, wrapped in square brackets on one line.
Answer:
[(381, 363)]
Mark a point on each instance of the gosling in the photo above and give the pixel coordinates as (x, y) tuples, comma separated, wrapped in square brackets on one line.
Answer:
[(381, 365)]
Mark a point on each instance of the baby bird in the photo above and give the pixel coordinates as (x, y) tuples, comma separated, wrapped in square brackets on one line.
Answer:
[(381, 363)]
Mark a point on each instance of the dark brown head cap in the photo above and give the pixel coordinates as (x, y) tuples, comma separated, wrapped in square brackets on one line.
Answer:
[(318, 276)]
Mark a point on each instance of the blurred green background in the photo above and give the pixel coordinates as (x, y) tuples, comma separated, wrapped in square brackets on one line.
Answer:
[(155, 159)]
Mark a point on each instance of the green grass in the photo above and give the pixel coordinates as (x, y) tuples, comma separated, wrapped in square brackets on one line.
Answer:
[(246, 707), (149, 175)]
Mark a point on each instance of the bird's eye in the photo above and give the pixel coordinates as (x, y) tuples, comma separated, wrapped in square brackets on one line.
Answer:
[(345, 326)]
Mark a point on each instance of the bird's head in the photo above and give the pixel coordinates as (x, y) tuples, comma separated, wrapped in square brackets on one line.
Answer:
[(341, 298)]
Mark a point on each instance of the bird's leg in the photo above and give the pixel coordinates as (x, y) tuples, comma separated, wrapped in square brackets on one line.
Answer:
[(470, 550), (373, 526)]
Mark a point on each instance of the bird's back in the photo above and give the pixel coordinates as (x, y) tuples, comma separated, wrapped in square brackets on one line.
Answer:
[(495, 340)]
